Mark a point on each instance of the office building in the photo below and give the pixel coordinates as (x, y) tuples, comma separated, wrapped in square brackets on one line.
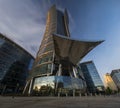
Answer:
[(55, 70), (115, 74), (92, 78), (109, 82), (15, 62)]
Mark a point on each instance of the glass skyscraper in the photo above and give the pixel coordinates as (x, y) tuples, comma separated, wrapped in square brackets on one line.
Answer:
[(93, 80), (15, 62), (55, 69)]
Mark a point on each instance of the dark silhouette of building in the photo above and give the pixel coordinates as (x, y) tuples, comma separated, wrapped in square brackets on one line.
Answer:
[(92, 78), (56, 63), (15, 63)]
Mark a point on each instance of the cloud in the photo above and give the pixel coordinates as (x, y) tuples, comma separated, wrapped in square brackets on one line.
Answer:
[(23, 22)]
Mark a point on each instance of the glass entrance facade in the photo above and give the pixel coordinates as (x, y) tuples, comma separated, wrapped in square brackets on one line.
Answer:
[(52, 85)]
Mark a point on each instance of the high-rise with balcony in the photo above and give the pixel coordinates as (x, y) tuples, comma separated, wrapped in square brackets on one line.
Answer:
[(55, 70)]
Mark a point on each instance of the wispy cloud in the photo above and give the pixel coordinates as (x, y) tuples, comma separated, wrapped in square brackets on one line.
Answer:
[(23, 22)]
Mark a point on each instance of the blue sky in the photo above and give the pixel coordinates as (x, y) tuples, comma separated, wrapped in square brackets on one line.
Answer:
[(24, 22)]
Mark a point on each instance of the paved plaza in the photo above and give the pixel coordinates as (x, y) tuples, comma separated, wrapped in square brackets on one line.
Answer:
[(60, 102)]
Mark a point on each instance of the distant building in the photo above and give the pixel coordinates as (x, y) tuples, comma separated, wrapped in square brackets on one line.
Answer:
[(93, 80), (115, 74), (15, 62), (109, 82)]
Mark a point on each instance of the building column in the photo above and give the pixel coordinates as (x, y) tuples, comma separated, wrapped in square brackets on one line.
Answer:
[(30, 88), (25, 88), (74, 72), (73, 92), (60, 70)]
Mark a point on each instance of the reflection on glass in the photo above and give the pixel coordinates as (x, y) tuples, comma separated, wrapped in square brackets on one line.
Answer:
[(51, 84)]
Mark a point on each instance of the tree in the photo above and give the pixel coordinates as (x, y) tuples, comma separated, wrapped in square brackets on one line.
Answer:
[(108, 91)]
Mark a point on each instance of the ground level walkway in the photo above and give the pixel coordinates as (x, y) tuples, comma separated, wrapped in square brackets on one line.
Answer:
[(60, 102)]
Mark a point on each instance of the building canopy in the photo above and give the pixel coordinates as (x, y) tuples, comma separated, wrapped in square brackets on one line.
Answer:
[(74, 50)]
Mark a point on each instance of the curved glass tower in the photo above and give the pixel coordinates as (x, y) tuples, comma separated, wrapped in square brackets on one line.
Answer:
[(55, 70), (15, 64)]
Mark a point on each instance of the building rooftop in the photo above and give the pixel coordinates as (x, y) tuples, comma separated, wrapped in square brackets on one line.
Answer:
[(14, 43)]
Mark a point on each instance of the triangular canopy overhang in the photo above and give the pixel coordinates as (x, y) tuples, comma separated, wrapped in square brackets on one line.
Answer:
[(74, 50)]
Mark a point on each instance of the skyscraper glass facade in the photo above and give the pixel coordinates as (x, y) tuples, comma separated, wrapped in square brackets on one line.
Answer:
[(15, 63), (93, 80), (57, 58)]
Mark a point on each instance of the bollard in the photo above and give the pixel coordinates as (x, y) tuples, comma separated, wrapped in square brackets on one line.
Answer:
[(66, 95), (73, 93), (58, 94), (80, 94)]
